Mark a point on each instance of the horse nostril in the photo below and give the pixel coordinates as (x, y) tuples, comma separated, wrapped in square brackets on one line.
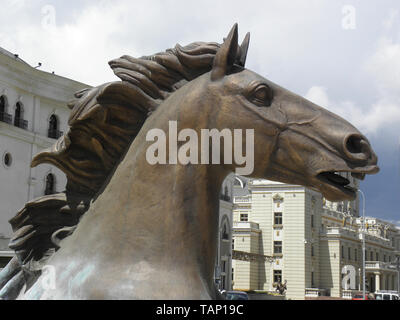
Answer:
[(357, 148), (353, 144)]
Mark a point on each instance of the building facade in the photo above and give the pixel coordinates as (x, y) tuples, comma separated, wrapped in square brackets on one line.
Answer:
[(223, 266), (33, 114), (313, 245)]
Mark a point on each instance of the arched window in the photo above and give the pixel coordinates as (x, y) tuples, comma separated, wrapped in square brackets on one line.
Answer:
[(225, 234), (2, 104), (4, 116), (18, 117), (53, 127), (49, 184)]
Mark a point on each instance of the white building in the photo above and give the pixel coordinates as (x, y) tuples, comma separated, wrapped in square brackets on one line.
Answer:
[(33, 113), (309, 242)]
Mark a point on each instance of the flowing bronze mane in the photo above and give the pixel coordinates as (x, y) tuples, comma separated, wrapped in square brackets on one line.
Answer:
[(105, 119), (124, 226)]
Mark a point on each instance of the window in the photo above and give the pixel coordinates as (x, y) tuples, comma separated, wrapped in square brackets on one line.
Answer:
[(18, 117), (312, 279), (342, 252), (278, 218), (244, 217), (377, 256), (2, 104), (233, 244), (4, 116), (17, 114), (355, 255), (225, 234), (49, 184), (349, 253), (312, 250), (278, 247), (278, 276), (7, 159), (54, 132), (372, 256), (312, 221)]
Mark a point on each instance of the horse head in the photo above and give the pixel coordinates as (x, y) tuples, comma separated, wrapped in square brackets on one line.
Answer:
[(295, 140)]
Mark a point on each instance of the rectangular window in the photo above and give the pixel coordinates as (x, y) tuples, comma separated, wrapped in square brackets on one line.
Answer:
[(278, 276), (233, 244), (278, 247), (244, 217), (312, 221), (349, 253), (278, 218), (377, 256), (312, 250), (355, 255), (372, 256), (342, 252)]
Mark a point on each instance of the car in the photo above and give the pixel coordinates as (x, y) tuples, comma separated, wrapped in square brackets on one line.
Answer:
[(235, 295), (386, 295), (360, 297)]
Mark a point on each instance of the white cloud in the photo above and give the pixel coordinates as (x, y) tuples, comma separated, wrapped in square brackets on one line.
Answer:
[(80, 46), (383, 68), (369, 119)]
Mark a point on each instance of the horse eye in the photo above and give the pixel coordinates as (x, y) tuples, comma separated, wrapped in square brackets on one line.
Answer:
[(261, 95)]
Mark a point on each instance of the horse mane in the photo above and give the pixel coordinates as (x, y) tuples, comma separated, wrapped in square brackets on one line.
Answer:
[(104, 121)]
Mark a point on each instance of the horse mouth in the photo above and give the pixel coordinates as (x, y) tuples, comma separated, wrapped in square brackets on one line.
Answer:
[(338, 182), (337, 186)]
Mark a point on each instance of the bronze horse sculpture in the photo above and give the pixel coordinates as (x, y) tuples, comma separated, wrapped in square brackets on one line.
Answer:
[(127, 229)]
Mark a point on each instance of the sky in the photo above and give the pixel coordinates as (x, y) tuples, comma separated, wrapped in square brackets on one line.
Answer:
[(342, 55)]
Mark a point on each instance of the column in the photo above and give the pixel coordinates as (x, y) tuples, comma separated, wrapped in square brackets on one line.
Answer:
[(377, 281), (35, 129)]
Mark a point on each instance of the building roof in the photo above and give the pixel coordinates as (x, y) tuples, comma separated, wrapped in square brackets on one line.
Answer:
[(40, 73), (12, 55)]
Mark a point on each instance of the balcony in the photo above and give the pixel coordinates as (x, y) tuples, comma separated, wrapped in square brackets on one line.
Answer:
[(339, 232), (379, 266), (315, 292), (248, 225), (55, 134), (21, 123), (349, 294), (242, 200), (5, 117)]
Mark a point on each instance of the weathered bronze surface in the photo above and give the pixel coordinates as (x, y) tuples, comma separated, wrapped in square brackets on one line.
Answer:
[(150, 231)]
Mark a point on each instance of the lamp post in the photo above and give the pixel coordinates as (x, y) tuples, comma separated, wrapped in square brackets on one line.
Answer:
[(363, 243)]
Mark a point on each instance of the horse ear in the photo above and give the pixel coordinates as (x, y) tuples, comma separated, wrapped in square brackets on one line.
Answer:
[(226, 55), (243, 50)]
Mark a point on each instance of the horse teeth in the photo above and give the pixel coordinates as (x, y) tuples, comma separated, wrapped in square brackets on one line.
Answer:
[(358, 175)]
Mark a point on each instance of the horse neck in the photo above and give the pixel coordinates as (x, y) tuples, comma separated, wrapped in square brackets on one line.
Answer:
[(165, 214)]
